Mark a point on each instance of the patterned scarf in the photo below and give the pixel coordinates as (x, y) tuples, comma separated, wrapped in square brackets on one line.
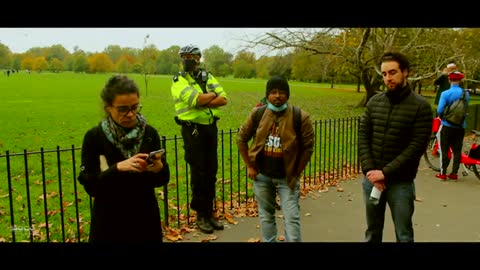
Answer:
[(128, 141)]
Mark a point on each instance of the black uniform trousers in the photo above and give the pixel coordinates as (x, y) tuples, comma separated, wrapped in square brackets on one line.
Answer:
[(451, 138), (200, 144)]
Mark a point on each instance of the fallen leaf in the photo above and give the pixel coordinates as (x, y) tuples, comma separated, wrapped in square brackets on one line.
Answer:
[(324, 189), (230, 219), (209, 238), (173, 238), (339, 189), (308, 214), (66, 204), (212, 237), (281, 238), (52, 212), (187, 229), (254, 240)]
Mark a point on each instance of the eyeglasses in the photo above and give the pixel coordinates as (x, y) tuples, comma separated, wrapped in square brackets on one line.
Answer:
[(124, 110)]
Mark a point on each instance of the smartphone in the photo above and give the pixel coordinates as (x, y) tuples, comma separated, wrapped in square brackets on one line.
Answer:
[(153, 153)]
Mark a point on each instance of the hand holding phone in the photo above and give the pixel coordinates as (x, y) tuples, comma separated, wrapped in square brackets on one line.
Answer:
[(153, 155)]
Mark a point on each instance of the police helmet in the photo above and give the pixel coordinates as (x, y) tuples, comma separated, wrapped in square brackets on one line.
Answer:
[(190, 49)]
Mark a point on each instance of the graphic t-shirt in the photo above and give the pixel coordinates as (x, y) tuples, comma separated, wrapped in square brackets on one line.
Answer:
[(272, 155)]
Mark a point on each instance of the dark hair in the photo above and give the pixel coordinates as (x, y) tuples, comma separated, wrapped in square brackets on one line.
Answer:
[(400, 58), (118, 85)]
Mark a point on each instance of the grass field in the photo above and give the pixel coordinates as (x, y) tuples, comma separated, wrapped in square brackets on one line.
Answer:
[(56, 109)]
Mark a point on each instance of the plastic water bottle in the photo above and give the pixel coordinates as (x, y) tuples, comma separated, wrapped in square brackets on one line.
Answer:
[(375, 195)]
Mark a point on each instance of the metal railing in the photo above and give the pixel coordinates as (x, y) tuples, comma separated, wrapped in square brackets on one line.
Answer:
[(41, 200)]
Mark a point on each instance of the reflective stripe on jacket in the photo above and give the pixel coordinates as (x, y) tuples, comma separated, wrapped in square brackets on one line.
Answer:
[(185, 92)]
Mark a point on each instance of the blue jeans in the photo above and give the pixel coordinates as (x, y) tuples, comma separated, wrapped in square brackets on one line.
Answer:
[(400, 198), (265, 189)]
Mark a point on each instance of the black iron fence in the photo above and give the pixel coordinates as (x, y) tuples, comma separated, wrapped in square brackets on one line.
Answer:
[(41, 200)]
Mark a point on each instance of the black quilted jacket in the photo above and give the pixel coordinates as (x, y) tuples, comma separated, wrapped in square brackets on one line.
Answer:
[(394, 133)]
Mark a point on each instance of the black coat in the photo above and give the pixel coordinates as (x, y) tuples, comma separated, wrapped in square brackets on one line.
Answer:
[(443, 84), (125, 208), (394, 133)]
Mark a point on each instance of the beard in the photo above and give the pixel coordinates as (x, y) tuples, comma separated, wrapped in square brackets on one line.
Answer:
[(393, 86)]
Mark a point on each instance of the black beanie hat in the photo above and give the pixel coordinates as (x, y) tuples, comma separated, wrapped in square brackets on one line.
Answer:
[(278, 82)]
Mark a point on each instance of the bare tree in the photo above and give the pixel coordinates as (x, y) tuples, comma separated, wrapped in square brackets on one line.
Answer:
[(144, 63), (148, 58), (359, 49)]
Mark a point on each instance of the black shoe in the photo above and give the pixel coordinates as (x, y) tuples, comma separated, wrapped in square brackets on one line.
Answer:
[(203, 224), (217, 225)]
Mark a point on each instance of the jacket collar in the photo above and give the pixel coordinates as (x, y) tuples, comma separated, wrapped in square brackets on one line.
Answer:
[(398, 96)]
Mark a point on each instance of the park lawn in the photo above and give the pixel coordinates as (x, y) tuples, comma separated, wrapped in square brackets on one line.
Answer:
[(56, 109)]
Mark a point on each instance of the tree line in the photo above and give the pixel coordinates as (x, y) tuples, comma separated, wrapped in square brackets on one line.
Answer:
[(336, 55)]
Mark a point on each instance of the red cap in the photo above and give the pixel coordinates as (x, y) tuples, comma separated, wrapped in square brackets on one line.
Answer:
[(455, 76)]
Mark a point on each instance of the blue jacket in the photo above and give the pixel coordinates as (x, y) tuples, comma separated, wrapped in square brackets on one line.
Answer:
[(447, 98)]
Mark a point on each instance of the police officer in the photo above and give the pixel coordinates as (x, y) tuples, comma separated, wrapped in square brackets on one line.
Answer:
[(198, 96)]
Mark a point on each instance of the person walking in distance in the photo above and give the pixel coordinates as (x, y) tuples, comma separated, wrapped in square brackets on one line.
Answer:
[(276, 158), (198, 97), (442, 83), (451, 135), (393, 135), (115, 172)]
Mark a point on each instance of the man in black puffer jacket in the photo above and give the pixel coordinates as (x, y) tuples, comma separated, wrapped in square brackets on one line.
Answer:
[(394, 133)]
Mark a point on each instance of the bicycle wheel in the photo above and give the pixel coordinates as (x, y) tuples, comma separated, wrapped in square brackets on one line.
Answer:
[(431, 156), (476, 170), (469, 147)]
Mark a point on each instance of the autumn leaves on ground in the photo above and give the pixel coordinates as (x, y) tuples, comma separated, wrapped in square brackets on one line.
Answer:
[(249, 209)]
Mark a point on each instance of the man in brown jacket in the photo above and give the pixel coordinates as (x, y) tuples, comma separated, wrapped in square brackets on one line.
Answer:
[(275, 159)]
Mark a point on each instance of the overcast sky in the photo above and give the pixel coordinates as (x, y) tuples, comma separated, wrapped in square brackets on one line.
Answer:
[(19, 40)]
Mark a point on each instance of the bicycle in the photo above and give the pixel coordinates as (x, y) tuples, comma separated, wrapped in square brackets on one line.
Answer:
[(470, 160)]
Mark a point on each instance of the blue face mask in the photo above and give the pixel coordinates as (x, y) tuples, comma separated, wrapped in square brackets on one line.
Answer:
[(275, 108)]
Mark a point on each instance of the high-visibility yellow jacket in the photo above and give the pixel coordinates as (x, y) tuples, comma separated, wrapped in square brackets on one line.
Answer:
[(185, 91)]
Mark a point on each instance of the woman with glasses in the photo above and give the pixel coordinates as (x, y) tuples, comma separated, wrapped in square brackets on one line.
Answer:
[(116, 173)]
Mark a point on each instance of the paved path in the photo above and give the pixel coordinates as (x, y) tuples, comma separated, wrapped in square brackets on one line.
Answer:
[(448, 212)]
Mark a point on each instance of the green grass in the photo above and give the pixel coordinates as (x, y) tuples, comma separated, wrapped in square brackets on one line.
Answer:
[(49, 109)]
